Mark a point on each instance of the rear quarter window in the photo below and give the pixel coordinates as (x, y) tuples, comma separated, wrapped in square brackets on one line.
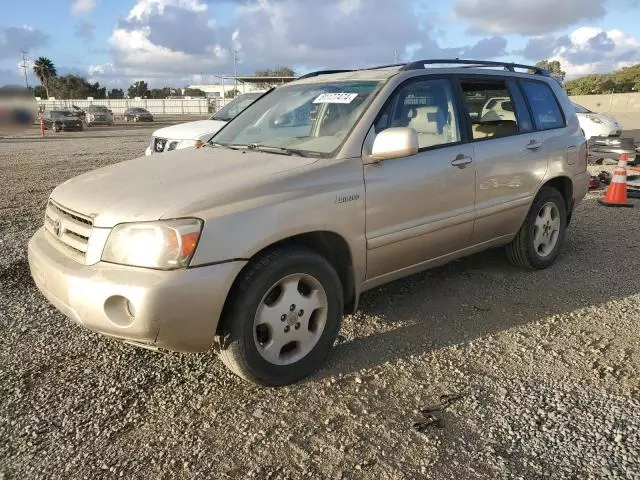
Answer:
[(544, 105)]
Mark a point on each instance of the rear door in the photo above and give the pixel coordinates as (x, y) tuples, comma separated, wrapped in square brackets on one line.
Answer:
[(420, 207), (511, 157)]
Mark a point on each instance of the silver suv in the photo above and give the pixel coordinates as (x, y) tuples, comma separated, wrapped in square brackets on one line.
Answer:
[(325, 187)]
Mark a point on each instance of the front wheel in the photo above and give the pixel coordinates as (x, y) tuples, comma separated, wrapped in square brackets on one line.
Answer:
[(56, 128), (540, 238), (284, 315)]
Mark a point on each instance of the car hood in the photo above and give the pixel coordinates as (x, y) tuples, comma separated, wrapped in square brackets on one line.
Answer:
[(190, 130), (178, 183)]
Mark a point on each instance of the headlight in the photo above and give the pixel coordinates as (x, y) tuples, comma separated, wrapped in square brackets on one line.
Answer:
[(596, 120), (165, 245)]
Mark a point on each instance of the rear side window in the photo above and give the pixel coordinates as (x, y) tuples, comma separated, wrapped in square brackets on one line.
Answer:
[(493, 111), (544, 105)]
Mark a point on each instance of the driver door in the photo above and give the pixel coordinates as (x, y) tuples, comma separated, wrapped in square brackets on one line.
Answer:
[(420, 208)]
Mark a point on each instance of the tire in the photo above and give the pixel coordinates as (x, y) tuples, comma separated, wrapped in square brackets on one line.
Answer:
[(259, 352), (522, 251)]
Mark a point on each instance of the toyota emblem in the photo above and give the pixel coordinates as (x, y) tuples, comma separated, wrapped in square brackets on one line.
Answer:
[(57, 228)]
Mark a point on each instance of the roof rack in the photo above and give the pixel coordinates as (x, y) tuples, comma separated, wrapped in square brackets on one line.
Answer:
[(420, 64), (322, 72)]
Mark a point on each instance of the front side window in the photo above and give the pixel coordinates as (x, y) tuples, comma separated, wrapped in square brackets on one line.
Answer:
[(491, 108), (312, 118), (426, 106), (544, 106)]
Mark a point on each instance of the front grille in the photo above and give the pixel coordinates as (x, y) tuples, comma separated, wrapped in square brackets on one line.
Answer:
[(159, 144), (69, 231)]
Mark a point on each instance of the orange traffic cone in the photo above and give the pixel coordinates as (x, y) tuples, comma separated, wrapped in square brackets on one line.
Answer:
[(616, 195)]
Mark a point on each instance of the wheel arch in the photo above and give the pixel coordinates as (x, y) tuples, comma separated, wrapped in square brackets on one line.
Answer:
[(332, 246), (565, 186)]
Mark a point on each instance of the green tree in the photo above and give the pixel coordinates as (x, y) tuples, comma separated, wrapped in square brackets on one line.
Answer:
[(75, 87), (116, 93), (160, 92), (45, 70), (193, 92), (554, 68), (138, 89), (39, 91), (276, 72), (622, 81)]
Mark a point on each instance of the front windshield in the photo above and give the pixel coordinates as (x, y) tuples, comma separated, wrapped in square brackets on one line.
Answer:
[(580, 109), (234, 107), (311, 117), (61, 113)]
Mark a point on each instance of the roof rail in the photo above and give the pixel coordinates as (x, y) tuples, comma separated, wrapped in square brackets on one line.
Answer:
[(321, 72), (420, 64)]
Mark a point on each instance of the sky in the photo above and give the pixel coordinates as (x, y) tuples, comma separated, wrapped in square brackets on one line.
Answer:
[(182, 42)]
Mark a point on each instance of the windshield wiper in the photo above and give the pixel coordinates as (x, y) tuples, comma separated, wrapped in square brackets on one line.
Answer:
[(225, 145), (269, 149), (281, 150)]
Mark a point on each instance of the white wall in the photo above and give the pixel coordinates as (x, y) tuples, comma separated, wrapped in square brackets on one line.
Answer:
[(624, 106), (174, 106)]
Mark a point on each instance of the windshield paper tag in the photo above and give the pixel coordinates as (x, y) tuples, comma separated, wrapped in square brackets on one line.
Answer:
[(335, 98)]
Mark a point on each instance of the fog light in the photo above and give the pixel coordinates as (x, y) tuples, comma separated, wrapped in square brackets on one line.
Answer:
[(119, 310), (172, 146)]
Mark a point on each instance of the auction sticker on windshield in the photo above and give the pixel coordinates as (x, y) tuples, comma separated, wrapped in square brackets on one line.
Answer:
[(335, 98)]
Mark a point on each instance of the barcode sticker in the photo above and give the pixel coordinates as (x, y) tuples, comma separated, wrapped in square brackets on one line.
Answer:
[(335, 98)]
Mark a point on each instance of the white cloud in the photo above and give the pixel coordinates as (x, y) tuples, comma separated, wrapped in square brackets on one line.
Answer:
[(83, 7), (587, 50), (15, 39), (526, 17)]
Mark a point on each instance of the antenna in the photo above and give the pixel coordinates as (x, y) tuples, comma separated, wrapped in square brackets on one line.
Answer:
[(24, 67)]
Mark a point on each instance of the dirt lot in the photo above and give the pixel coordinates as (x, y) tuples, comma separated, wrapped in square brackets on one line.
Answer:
[(546, 364)]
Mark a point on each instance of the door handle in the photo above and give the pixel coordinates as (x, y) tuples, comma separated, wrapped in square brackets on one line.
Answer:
[(461, 160), (534, 145)]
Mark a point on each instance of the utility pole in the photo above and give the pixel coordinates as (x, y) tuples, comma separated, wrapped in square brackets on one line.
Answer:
[(395, 56), (24, 67), (235, 71)]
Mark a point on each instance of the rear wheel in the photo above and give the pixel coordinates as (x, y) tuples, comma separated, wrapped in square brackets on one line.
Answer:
[(540, 238), (283, 317)]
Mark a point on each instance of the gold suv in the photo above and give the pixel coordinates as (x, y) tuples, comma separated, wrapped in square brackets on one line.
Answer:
[(323, 188)]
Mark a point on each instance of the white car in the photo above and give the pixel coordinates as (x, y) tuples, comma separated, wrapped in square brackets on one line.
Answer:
[(596, 124), (498, 108), (185, 135)]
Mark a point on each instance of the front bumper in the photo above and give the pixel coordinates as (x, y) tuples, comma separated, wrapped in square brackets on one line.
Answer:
[(176, 310), (100, 122), (68, 127)]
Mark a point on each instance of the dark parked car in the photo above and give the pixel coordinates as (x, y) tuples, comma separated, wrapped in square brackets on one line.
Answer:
[(137, 115), (98, 115), (58, 120)]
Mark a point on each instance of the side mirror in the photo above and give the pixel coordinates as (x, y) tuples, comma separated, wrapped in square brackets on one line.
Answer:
[(394, 143)]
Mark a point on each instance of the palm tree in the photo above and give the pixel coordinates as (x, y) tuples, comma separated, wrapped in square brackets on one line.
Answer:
[(44, 69)]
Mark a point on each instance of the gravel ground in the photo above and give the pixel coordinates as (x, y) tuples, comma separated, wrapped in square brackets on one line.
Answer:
[(539, 370)]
